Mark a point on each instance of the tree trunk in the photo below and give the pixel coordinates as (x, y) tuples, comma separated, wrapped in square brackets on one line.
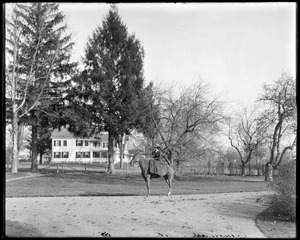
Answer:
[(111, 167), (34, 167), (121, 154), (258, 170), (243, 169), (277, 163), (178, 164), (15, 155), (121, 148), (208, 167), (269, 172), (249, 169), (41, 158)]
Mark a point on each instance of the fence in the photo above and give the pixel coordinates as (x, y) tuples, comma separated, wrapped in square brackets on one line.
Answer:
[(67, 167), (222, 168), (195, 168)]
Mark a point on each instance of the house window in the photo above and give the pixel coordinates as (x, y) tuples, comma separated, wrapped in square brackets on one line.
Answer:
[(57, 154), (104, 154), (96, 143), (65, 154), (57, 143), (96, 154), (65, 142), (79, 142), (86, 142), (82, 154), (104, 145)]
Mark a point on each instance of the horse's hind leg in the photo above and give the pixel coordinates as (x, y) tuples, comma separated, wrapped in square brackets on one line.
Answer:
[(169, 182), (170, 186)]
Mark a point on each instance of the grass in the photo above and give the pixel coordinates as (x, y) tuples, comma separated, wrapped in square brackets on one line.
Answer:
[(275, 226), (21, 230), (283, 202), (98, 183), (92, 183), (278, 220)]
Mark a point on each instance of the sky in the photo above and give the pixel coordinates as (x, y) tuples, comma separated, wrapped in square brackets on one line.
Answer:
[(235, 47)]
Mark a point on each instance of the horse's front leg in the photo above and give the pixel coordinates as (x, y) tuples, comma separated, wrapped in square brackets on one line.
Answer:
[(148, 184)]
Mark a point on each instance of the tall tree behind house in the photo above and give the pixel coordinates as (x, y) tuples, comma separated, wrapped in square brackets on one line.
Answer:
[(114, 78)]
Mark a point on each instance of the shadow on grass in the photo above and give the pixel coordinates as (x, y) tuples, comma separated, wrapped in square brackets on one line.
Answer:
[(106, 195)]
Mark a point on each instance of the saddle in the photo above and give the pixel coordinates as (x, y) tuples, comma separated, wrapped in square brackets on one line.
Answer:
[(157, 167)]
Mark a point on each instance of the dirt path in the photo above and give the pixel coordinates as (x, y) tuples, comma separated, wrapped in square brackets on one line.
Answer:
[(210, 215)]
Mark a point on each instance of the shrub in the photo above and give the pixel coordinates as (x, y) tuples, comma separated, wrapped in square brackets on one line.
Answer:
[(283, 202)]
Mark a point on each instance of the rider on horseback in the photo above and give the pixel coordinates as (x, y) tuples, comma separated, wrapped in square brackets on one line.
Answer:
[(157, 154)]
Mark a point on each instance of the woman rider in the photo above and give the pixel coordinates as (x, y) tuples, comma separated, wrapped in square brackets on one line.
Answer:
[(157, 154)]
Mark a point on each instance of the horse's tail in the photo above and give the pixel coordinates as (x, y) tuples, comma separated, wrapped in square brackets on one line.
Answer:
[(175, 175)]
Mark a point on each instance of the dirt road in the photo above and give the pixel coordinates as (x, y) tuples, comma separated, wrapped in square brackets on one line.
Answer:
[(209, 215)]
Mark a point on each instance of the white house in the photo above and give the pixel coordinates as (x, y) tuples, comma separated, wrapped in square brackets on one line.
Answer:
[(67, 148)]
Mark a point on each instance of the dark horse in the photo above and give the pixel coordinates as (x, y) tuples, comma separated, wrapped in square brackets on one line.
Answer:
[(166, 171)]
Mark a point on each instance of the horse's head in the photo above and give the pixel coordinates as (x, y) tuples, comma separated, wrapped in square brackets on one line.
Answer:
[(134, 159)]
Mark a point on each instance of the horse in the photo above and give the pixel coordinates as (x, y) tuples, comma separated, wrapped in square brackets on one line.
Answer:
[(166, 171)]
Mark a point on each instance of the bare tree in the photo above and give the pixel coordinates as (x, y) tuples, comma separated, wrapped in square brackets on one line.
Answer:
[(28, 69), (185, 121), (17, 83), (280, 115), (244, 135)]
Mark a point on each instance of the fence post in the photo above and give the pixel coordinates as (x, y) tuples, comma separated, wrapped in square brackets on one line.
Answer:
[(57, 171)]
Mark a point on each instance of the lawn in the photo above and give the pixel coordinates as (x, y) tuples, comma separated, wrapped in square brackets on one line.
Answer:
[(100, 184), (97, 183)]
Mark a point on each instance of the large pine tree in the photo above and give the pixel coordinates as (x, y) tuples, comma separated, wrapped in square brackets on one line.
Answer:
[(114, 68), (41, 53)]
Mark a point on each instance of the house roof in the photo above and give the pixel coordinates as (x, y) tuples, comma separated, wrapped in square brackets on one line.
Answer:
[(63, 133)]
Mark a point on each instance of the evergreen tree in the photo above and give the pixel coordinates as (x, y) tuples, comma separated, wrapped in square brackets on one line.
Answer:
[(113, 80), (41, 51)]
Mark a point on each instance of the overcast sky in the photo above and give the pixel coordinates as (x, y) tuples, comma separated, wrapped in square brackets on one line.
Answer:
[(234, 46)]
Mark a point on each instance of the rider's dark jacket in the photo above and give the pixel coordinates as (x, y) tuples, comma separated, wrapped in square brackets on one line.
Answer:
[(156, 154)]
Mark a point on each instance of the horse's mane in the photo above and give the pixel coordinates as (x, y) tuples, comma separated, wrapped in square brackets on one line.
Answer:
[(137, 157), (134, 156)]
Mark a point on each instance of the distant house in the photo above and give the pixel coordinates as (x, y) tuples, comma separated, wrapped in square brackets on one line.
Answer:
[(67, 148)]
